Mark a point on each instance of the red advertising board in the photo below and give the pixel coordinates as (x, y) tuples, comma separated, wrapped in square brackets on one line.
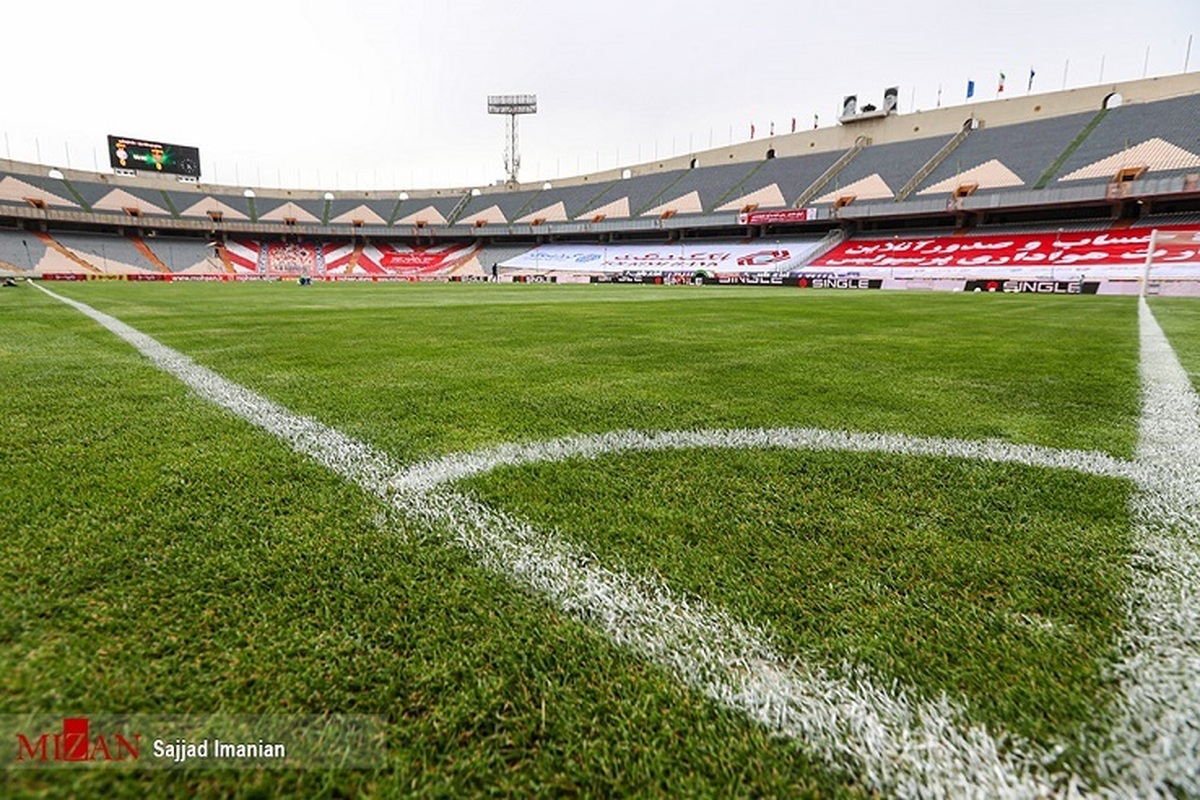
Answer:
[(776, 217), (416, 259)]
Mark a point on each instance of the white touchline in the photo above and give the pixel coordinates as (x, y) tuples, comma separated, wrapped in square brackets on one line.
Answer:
[(902, 745), (1155, 747)]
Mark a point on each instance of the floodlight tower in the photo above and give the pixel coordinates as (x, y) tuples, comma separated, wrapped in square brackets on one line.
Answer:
[(512, 105)]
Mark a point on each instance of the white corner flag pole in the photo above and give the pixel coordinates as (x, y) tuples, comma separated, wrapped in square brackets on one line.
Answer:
[(1149, 260)]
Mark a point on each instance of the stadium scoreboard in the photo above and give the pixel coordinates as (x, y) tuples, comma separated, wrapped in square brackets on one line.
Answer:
[(147, 156)]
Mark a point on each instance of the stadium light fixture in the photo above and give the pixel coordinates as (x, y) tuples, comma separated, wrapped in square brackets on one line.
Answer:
[(512, 106)]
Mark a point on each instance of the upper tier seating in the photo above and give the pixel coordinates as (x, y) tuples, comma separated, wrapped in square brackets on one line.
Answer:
[(709, 184), (782, 178), (1163, 136), (1008, 157), (25, 190), (633, 196), (880, 171)]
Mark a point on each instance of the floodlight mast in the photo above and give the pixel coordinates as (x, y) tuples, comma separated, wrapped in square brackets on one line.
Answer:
[(512, 105)]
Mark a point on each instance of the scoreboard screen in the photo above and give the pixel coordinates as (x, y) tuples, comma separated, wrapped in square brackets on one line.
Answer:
[(173, 159)]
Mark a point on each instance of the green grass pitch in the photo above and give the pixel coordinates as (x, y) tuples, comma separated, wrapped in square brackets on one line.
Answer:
[(160, 556)]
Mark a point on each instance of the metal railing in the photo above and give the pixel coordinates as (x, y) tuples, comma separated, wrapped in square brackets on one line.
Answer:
[(820, 183), (932, 163)]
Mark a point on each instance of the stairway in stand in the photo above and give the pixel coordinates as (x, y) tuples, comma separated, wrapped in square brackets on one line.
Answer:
[(147, 253), (65, 253)]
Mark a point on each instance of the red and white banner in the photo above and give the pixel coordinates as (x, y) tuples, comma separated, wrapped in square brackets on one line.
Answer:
[(723, 257), (777, 217), (344, 260), (1103, 254), (427, 259)]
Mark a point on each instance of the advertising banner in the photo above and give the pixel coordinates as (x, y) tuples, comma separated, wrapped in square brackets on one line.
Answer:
[(1018, 286), (1038, 256), (744, 279), (424, 259), (690, 258), (776, 217)]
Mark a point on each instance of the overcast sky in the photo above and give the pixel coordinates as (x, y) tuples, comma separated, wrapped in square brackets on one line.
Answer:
[(371, 94)]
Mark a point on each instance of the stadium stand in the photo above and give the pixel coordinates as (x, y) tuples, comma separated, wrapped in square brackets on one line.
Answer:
[(633, 195), (430, 210), (1004, 157), (208, 206), (364, 211), (489, 215), (112, 255), (576, 199), (711, 183), (511, 204), (59, 260), (189, 256), (790, 176), (879, 171), (20, 251), (1163, 137), (540, 214), (131, 201), (24, 189), (1045, 165), (277, 210), (88, 193)]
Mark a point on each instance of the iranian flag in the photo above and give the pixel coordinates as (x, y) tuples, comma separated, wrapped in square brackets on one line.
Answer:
[(1001, 89)]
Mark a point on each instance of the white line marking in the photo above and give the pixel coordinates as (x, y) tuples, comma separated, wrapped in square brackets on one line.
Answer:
[(901, 745), (457, 466), (1156, 738)]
